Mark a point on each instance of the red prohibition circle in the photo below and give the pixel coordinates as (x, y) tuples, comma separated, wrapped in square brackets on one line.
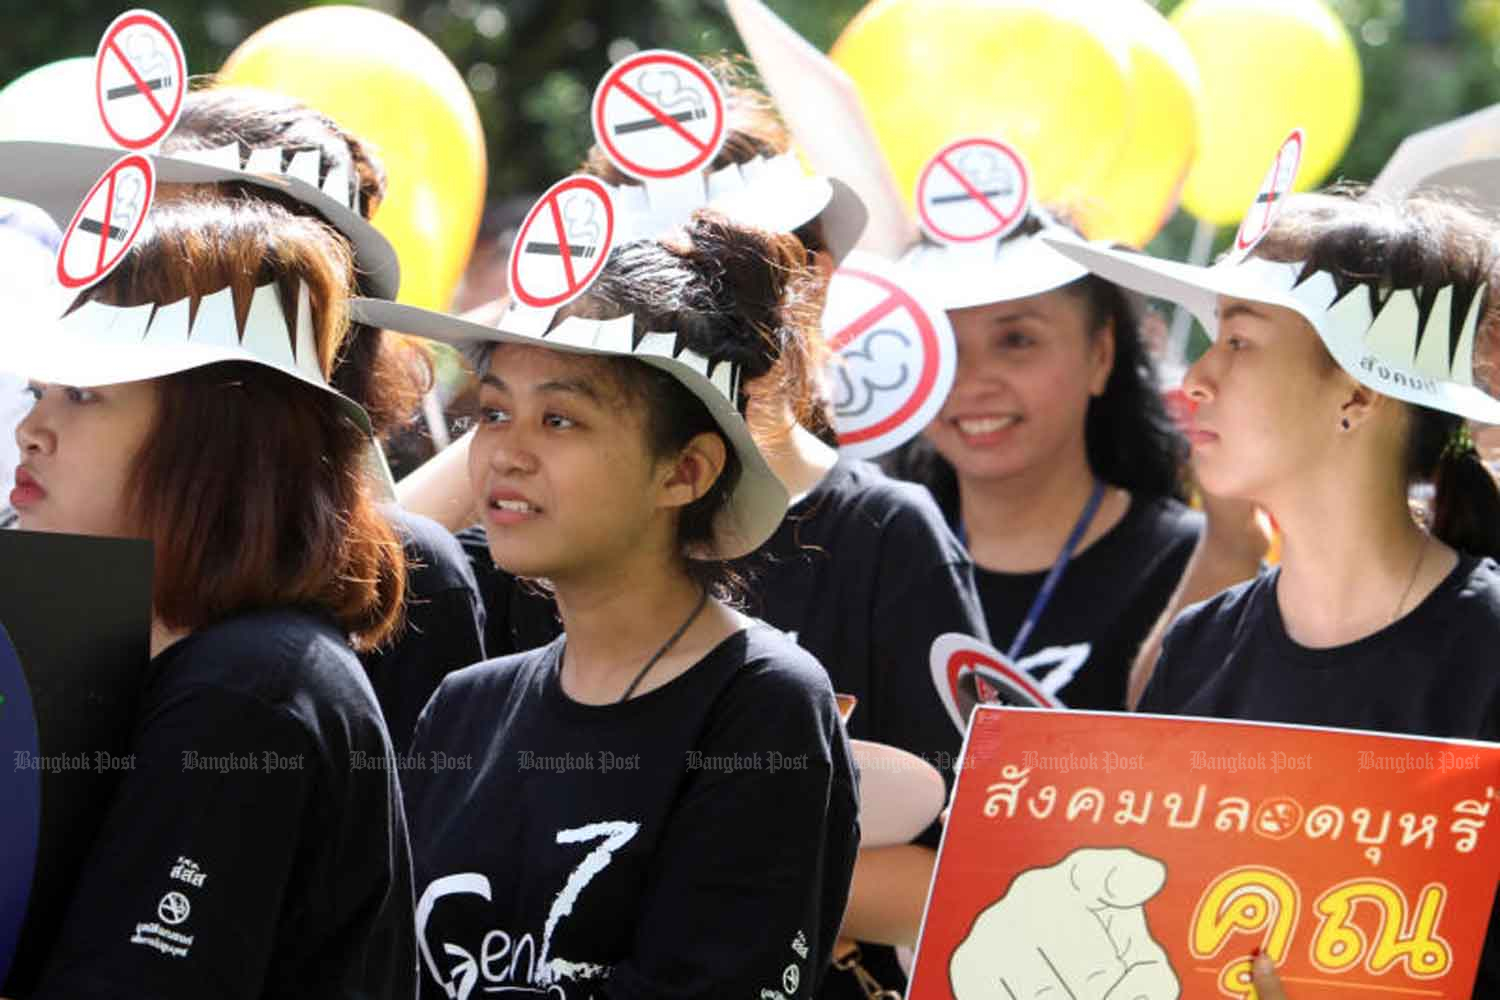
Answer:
[(615, 80), (1294, 140), (105, 265), (548, 202), (926, 379), (971, 659), (108, 47), (1004, 222)]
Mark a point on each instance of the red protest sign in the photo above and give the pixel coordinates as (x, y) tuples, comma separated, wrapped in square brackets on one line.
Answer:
[(659, 114), (895, 357), (1273, 192), (972, 191), (140, 77), (563, 243), (102, 229), (1108, 854)]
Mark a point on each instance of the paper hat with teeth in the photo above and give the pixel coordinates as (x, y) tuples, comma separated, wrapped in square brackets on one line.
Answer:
[(55, 176), (771, 193), (99, 344), (1414, 344), (991, 266), (759, 501)]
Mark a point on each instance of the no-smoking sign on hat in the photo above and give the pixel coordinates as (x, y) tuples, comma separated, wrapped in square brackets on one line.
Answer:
[(107, 222), (563, 243), (140, 78), (894, 357), (659, 115), (973, 190), (1272, 195)]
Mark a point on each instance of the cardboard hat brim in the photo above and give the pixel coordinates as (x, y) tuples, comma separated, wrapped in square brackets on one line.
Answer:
[(826, 199), (758, 504), (900, 794), (39, 345), (1198, 289), (963, 277), (55, 176)]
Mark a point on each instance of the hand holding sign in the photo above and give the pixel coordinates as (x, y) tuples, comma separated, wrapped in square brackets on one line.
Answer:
[(1093, 943)]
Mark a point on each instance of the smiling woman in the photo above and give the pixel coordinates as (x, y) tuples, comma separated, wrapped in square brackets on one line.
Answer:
[(1054, 449)]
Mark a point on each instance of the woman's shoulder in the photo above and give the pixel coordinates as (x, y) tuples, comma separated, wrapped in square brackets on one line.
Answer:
[(869, 500), (483, 684), (435, 557), (769, 669), (1165, 518)]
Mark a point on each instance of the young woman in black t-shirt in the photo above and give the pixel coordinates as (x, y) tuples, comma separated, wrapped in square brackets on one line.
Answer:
[(1054, 434), (1342, 371), (661, 802), (385, 373), (256, 845)]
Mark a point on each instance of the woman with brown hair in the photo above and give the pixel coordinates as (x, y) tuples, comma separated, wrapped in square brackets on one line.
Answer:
[(257, 846), (385, 373), (1342, 371)]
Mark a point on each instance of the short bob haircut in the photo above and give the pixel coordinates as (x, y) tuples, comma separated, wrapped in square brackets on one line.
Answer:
[(252, 486)]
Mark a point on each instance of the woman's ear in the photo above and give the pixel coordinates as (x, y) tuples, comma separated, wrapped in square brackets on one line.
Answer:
[(1101, 356), (695, 470), (1359, 406)]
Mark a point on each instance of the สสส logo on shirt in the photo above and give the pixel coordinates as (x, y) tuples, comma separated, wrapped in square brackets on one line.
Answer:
[(167, 931), (518, 961)]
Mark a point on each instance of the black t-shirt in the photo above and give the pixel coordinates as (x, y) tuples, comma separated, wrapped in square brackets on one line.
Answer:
[(1435, 672), (1110, 596), (256, 846), (864, 574), (444, 624), (695, 841)]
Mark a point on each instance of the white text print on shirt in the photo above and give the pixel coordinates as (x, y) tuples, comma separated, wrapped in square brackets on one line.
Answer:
[(513, 964)]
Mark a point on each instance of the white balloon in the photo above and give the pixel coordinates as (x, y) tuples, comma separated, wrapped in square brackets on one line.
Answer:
[(54, 103)]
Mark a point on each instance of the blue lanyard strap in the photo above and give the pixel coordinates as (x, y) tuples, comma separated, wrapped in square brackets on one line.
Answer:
[(1054, 575)]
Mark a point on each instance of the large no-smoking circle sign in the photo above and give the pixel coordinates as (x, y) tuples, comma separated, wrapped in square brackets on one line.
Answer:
[(563, 243), (973, 190), (140, 77), (895, 357), (659, 114)]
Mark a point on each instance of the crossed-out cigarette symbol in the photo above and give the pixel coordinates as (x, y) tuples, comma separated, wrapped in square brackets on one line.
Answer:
[(144, 53), (987, 171), (122, 214), (581, 226), (666, 88)]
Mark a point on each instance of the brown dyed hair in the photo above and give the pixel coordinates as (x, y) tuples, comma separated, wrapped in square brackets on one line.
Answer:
[(1421, 242), (252, 485), (384, 372), (792, 372)]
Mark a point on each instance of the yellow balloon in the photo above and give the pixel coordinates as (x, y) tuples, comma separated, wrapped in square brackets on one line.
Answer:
[(1268, 66), (1139, 194), (1032, 73), (387, 83)]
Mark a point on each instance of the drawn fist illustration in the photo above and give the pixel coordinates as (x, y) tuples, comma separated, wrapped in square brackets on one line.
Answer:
[(1074, 930)]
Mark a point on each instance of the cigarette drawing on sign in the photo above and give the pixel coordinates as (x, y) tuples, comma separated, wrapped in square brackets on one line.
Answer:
[(563, 244), (105, 224), (894, 357), (659, 115), (972, 191), (140, 78)]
